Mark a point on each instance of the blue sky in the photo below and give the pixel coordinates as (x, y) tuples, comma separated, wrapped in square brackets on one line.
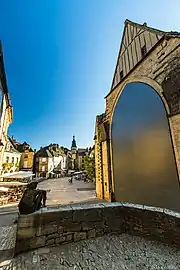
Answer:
[(60, 56)]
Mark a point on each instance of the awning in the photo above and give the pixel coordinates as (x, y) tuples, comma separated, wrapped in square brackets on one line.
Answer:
[(16, 175)]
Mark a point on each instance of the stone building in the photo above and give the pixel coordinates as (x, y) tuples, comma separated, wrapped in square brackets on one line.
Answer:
[(74, 154), (78, 156), (27, 155), (50, 161), (11, 158), (6, 109), (81, 154), (137, 138)]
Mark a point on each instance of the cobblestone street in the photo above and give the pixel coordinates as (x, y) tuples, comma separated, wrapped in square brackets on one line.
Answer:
[(64, 193), (108, 252)]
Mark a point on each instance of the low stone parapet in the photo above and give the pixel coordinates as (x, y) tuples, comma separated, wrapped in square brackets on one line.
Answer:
[(74, 223)]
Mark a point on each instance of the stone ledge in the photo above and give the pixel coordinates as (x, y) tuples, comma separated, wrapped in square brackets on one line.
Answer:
[(75, 223)]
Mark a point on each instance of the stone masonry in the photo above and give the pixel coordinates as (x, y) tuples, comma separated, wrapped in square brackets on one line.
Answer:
[(79, 222)]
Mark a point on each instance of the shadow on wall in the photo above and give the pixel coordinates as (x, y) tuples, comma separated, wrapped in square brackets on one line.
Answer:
[(143, 160)]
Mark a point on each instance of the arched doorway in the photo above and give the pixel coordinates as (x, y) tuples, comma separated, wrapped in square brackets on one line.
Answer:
[(144, 166)]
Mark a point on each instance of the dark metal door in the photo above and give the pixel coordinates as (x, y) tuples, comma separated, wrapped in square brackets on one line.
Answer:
[(144, 166)]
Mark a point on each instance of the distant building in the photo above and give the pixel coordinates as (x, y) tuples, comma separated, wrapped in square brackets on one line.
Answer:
[(43, 162), (50, 161), (91, 151), (74, 154), (81, 154), (6, 109), (27, 155), (78, 156), (11, 158)]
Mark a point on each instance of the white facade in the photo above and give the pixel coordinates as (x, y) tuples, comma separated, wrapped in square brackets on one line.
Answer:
[(59, 162), (50, 164), (11, 158)]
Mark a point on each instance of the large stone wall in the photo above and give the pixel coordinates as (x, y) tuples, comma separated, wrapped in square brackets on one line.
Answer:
[(79, 222)]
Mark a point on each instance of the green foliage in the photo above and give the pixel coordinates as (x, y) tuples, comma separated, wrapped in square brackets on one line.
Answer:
[(7, 166), (17, 164), (90, 166)]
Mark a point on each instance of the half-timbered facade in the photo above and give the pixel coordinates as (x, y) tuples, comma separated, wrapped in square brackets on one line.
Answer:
[(147, 57)]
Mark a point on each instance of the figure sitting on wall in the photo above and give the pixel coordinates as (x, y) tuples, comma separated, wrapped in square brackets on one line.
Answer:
[(32, 199)]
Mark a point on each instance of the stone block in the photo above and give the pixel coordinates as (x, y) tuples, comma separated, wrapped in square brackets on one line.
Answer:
[(112, 211), (60, 229), (115, 224), (99, 224), (50, 242), (72, 227), (26, 232), (92, 214), (99, 232), (79, 236), (37, 242), (47, 229), (87, 226), (68, 236), (56, 215), (60, 239), (25, 221), (22, 245), (91, 233), (52, 236)]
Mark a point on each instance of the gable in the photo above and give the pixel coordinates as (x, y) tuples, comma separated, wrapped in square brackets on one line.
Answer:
[(136, 38)]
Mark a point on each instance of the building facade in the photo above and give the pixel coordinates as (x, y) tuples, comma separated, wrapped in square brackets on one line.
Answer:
[(6, 116), (11, 158), (27, 155), (78, 156), (74, 154), (81, 154), (50, 161), (43, 163), (137, 138)]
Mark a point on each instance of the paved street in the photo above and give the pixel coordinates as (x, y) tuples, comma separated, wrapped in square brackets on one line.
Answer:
[(64, 193), (116, 252)]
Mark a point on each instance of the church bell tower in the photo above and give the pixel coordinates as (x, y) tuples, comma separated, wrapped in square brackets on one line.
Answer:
[(74, 153)]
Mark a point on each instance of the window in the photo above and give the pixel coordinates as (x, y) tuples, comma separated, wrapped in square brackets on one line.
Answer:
[(121, 75), (25, 165), (7, 159), (17, 160), (43, 159), (25, 155), (12, 159), (143, 51), (43, 168)]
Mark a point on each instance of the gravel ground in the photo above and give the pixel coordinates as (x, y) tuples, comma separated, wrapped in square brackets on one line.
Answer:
[(107, 252)]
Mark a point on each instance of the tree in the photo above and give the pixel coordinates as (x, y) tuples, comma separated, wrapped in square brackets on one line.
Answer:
[(90, 166)]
